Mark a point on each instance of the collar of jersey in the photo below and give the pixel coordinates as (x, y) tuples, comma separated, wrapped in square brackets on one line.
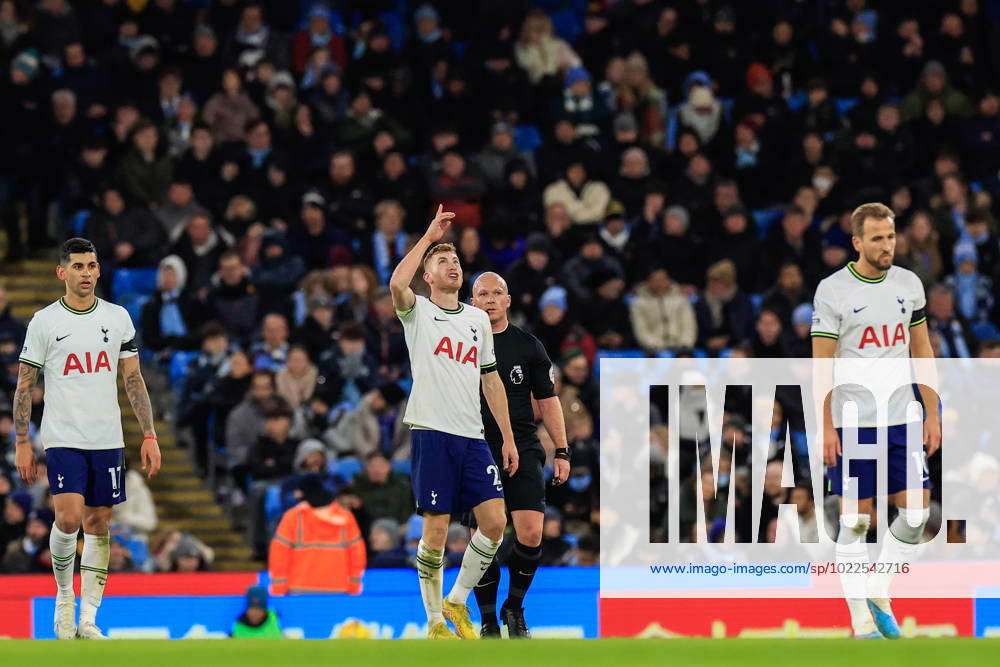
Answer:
[(62, 302), (456, 311), (850, 267)]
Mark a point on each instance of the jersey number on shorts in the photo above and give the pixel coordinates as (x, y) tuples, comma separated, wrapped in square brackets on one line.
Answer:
[(495, 471), (116, 478)]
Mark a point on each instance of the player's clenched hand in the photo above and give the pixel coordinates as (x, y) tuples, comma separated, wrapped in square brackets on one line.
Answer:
[(831, 446), (24, 459), (439, 225), (561, 473), (150, 455), (932, 434), (510, 458)]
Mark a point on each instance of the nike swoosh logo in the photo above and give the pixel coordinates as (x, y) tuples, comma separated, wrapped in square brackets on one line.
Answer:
[(858, 310), (59, 338), (116, 494), (439, 320)]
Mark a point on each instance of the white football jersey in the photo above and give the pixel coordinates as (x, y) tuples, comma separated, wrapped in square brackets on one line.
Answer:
[(78, 352), (870, 320), (449, 350)]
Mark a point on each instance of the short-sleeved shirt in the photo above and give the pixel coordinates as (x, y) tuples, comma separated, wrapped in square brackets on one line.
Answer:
[(526, 370), (78, 352), (870, 319), (449, 350)]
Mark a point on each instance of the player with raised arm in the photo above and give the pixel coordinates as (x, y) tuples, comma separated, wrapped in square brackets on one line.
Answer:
[(80, 342), (527, 374), (872, 310), (453, 471)]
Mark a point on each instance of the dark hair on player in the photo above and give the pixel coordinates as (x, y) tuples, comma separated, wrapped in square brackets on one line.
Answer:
[(74, 245)]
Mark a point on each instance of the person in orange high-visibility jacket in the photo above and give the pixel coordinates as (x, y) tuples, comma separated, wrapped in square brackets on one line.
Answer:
[(317, 547)]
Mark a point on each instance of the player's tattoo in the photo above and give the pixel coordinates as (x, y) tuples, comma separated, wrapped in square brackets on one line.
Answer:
[(138, 398), (26, 377)]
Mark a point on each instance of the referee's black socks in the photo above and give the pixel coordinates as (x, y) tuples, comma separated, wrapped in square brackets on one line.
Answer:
[(521, 563), (486, 593)]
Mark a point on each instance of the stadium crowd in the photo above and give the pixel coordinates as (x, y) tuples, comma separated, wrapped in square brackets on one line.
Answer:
[(661, 177)]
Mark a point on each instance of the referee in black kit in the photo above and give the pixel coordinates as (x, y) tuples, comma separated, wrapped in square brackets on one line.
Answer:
[(526, 372)]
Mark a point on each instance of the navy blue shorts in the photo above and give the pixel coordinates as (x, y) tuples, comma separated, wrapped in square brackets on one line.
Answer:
[(452, 474), (96, 474), (865, 470)]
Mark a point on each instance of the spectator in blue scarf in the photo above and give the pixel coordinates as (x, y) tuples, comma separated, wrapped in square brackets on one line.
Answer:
[(170, 315)]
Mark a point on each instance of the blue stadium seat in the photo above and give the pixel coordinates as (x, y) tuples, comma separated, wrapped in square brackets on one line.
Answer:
[(79, 222), (616, 354), (755, 301), (133, 282), (725, 353), (272, 504), (395, 27), (666, 354), (845, 104), (527, 138), (179, 365), (402, 467), (765, 218), (133, 303), (567, 24), (797, 101), (347, 468), (985, 331)]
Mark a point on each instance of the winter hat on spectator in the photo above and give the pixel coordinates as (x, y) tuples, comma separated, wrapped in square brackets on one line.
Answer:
[(502, 127), (934, 68), (965, 252), (392, 393), (282, 78), (625, 122), (803, 314), (142, 44), (257, 597), (179, 268), (575, 75), (426, 12), (27, 63), (313, 198), (537, 242), (305, 448), (320, 10), (314, 492), (553, 296), (22, 499), (44, 515), (390, 527), (757, 74), (205, 30), (679, 212), (340, 256), (187, 548), (615, 209)]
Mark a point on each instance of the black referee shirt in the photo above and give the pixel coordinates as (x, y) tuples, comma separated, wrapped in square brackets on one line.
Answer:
[(525, 369)]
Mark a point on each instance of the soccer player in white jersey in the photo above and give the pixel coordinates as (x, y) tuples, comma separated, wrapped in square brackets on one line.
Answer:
[(451, 355), (79, 343), (873, 310)]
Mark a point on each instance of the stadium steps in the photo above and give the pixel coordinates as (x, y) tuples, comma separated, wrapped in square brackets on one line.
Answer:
[(185, 502), (182, 498)]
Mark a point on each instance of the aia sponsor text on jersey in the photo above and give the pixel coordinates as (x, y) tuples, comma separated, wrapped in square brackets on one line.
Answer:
[(457, 352), (88, 364), (881, 338)]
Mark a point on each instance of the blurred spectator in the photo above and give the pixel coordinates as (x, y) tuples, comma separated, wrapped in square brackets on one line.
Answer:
[(385, 493), (124, 236), (170, 314), (144, 175), (17, 506), (385, 337), (662, 317), (271, 351), (455, 545), (973, 291), (11, 328), (232, 298), (30, 554), (348, 365), (539, 52), (952, 329), (200, 246), (246, 421), (555, 550), (177, 551), (724, 313), (297, 379), (257, 621), (387, 550), (317, 547), (585, 199), (273, 453), (138, 515), (228, 111), (120, 557), (317, 35)]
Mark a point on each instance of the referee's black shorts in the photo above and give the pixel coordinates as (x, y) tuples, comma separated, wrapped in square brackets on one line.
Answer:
[(526, 489)]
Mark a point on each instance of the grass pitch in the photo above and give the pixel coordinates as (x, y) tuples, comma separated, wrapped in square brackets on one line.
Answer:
[(550, 653)]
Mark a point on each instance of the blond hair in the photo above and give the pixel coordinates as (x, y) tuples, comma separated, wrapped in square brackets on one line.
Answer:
[(873, 210), (437, 250)]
